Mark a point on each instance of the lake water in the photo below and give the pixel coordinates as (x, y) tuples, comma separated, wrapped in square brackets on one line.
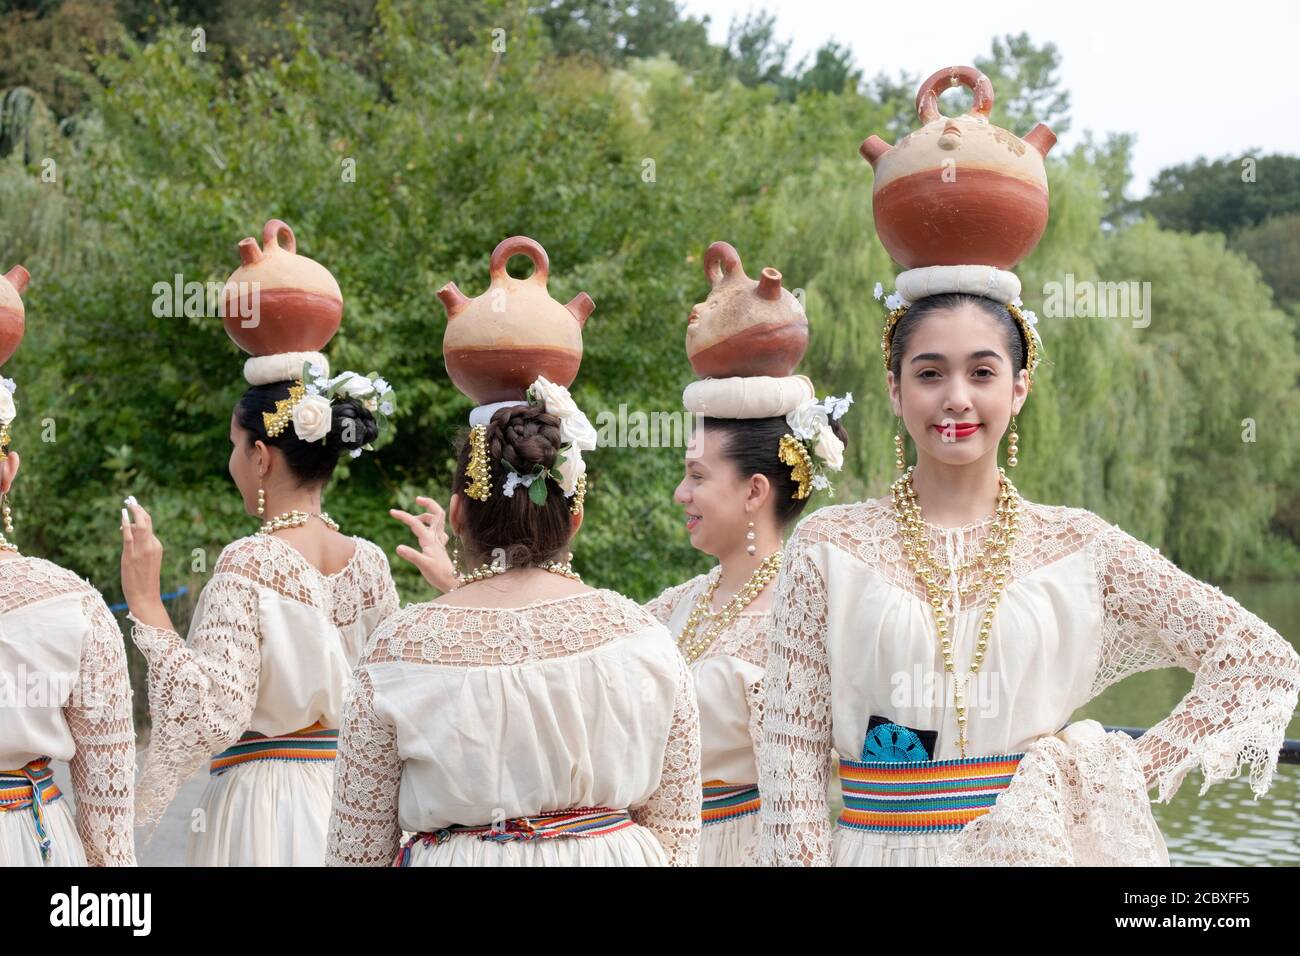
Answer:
[(1225, 827)]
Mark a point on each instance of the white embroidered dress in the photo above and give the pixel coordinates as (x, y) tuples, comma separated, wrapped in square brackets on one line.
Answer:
[(64, 694), (471, 716), (728, 679), (1086, 606), (271, 648)]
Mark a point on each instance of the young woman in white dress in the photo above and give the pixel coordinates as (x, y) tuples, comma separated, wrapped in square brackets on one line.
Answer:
[(68, 698), (939, 639), (275, 635), (738, 498), (523, 718)]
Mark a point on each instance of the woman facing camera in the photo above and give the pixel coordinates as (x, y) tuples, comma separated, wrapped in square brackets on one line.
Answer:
[(275, 634), (524, 718)]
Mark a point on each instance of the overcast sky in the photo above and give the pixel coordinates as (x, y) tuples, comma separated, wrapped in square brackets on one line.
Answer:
[(1189, 79)]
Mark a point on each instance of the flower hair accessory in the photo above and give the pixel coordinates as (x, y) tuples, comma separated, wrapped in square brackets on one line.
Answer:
[(8, 411), (1026, 319), (812, 447), (569, 471), (308, 406)]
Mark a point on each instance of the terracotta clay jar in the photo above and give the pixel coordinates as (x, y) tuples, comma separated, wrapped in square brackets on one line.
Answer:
[(959, 191), (299, 303), (497, 344), (13, 318), (745, 326)]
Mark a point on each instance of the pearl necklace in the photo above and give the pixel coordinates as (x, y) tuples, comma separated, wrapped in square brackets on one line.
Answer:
[(564, 569), (693, 645), (993, 563), (295, 519)]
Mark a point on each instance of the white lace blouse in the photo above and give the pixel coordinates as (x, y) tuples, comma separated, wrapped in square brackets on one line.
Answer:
[(458, 715), (271, 647), (1086, 606), (56, 628), (728, 682)]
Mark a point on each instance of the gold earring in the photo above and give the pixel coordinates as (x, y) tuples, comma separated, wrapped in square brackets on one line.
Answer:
[(261, 500), (1013, 446), (751, 538), (899, 449)]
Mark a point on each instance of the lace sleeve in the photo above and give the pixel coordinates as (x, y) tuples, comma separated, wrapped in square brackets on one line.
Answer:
[(363, 828), (672, 812), (202, 693), (1247, 675), (103, 766), (793, 760)]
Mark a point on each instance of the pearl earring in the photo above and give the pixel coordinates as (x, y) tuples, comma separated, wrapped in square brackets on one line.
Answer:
[(899, 454), (1013, 444), (751, 538), (261, 500)]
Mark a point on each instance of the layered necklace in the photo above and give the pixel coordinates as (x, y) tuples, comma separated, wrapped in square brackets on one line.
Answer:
[(693, 644), (296, 519), (992, 565)]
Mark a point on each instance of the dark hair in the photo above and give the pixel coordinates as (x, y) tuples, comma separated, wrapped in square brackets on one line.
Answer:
[(312, 462), (1016, 347), (526, 533), (753, 445)]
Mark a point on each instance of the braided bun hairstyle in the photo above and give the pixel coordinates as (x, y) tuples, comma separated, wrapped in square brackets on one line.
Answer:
[(522, 532)]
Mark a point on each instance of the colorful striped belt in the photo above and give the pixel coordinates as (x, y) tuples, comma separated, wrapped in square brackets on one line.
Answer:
[(922, 796), (727, 801), (31, 786), (311, 743), (575, 822)]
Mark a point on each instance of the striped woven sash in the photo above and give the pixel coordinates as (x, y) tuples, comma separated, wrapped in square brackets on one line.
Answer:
[(574, 822), (31, 787), (727, 801), (922, 796), (311, 743)]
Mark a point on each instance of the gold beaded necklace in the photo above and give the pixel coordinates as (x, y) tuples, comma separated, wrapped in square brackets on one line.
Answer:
[(690, 642), (295, 519), (562, 568), (993, 563)]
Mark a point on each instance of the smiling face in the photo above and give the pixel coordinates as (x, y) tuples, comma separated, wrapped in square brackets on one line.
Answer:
[(956, 390), (717, 500)]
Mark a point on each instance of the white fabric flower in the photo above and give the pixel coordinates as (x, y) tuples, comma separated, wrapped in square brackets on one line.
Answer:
[(355, 453), (820, 482), (9, 384), (7, 408), (318, 370), (836, 407), (381, 386), (830, 449), (575, 429), (385, 408), (894, 300), (879, 292), (572, 469), (312, 418), (514, 480), (352, 385), (807, 420)]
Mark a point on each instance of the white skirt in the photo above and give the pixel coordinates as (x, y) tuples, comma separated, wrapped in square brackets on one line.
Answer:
[(731, 842), (631, 846), (264, 813), (869, 848), (20, 847)]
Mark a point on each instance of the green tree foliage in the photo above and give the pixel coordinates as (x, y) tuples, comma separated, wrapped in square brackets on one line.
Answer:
[(625, 168)]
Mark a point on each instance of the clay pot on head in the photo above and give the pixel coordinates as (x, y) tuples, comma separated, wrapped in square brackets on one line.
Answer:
[(745, 326), (498, 343), (299, 304), (13, 317), (959, 191)]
